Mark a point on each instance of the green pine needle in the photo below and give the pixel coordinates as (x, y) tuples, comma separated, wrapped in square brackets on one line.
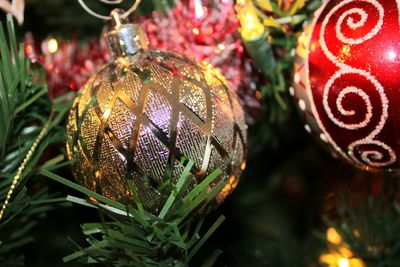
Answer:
[(141, 239), (24, 109)]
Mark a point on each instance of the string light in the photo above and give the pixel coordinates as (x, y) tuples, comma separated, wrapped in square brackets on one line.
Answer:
[(252, 28), (52, 46), (334, 259), (343, 262), (333, 236), (339, 254)]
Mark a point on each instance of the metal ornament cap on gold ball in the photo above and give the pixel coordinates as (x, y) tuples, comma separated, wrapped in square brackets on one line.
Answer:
[(126, 39), (141, 114)]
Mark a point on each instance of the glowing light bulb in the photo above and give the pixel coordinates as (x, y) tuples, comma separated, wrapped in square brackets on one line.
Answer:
[(251, 27), (52, 45), (333, 236), (343, 262), (250, 17)]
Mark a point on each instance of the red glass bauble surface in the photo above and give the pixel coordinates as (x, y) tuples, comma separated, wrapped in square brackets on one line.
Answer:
[(347, 81)]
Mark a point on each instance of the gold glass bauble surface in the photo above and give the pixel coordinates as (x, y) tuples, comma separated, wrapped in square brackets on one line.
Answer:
[(141, 114)]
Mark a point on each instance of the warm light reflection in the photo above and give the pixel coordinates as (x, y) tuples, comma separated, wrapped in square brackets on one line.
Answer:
[(297, 77), (52, 45), (229, 186), (333, 236), (243, 166), (221, 47), (303, 43), (345, 53)]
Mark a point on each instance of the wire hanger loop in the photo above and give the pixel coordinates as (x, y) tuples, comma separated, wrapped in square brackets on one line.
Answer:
[(109, 2)]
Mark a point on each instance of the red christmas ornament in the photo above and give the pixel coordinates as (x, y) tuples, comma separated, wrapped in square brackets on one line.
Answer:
[(347, 80)]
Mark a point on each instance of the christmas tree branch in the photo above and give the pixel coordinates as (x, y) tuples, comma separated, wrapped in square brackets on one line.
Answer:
[(24, 111), (139, 238), (278, 24), (368, 232)]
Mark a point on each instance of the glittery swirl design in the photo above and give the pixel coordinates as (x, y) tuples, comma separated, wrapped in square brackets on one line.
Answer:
[(367, 150), (133, 122)]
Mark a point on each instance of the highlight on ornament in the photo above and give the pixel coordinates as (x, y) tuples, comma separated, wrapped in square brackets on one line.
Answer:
[(52, 45)]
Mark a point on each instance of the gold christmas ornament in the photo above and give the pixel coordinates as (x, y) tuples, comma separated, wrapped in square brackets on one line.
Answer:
[(146, 110)]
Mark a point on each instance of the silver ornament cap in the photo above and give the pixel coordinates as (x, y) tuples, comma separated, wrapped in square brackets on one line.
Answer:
[(126, 39)]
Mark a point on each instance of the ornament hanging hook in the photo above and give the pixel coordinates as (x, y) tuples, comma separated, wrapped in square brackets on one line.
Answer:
[(110, 2)]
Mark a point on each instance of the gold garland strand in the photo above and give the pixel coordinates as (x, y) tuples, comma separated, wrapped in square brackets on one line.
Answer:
[(21, 168)]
